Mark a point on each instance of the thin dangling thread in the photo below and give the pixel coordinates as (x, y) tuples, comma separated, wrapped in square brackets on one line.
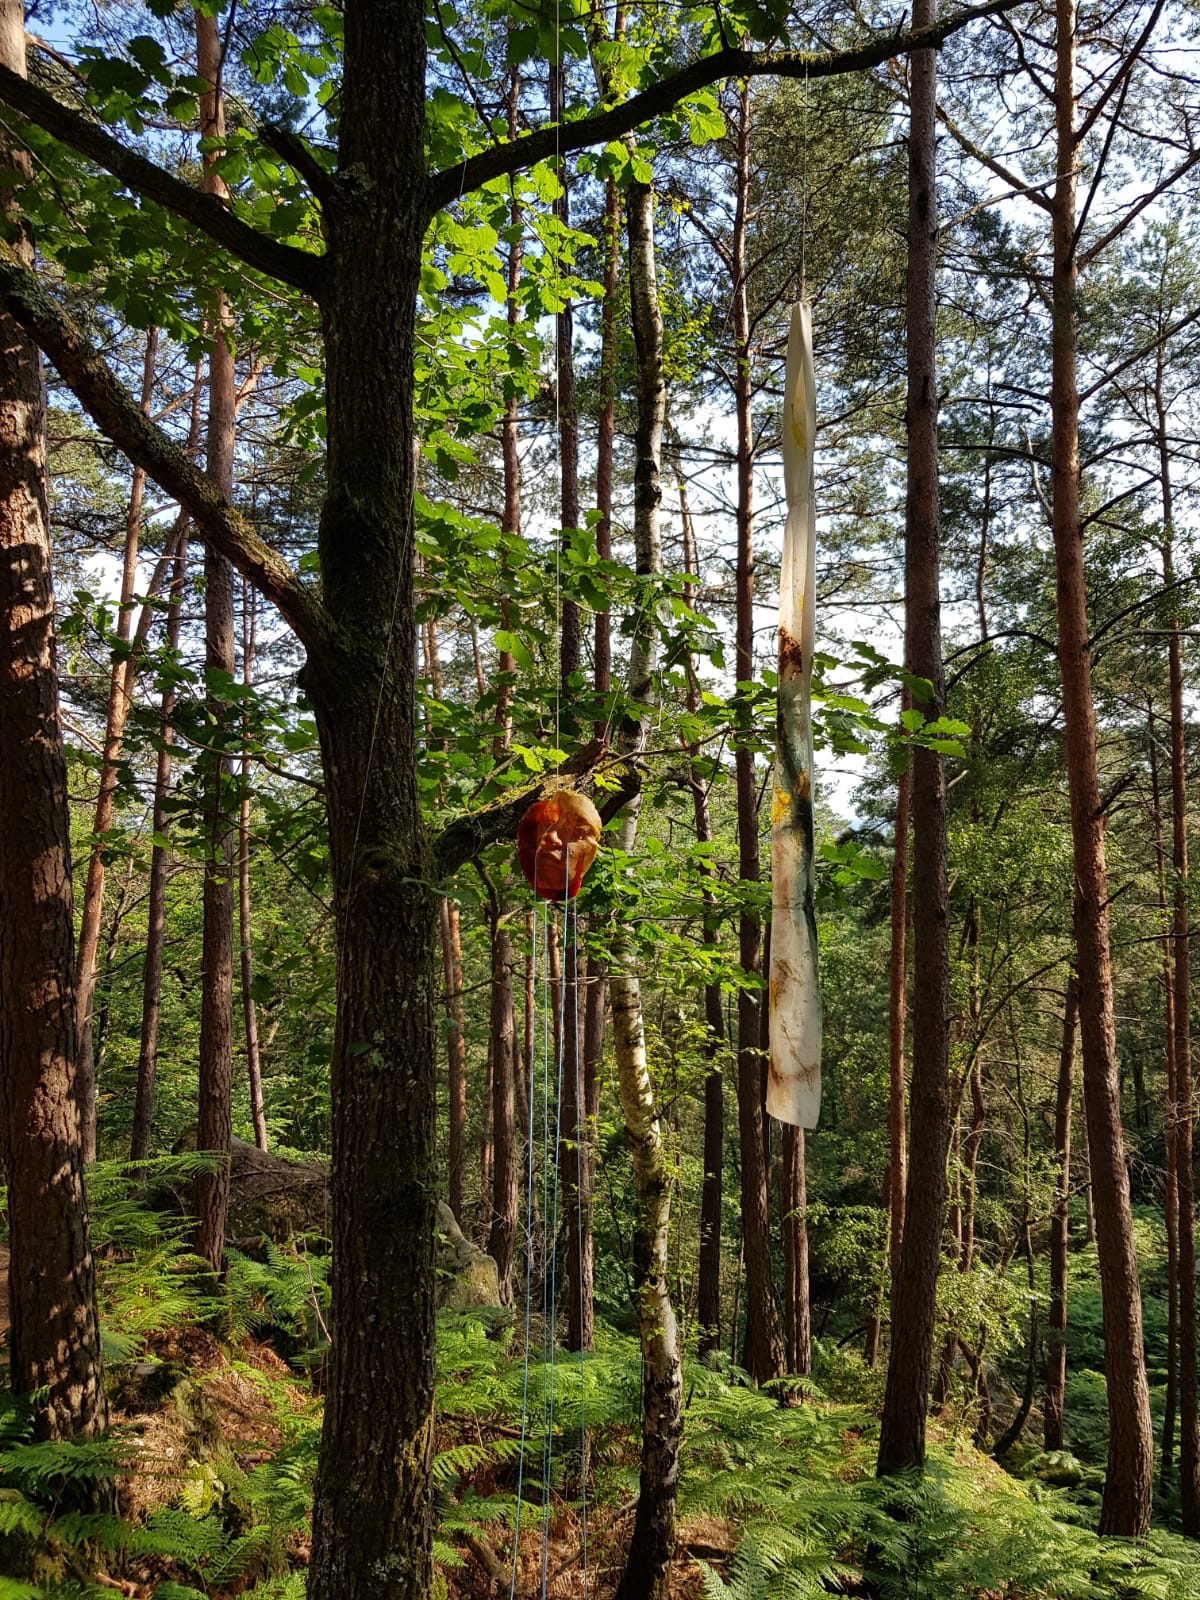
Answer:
[(580, 1127), (804, 189)]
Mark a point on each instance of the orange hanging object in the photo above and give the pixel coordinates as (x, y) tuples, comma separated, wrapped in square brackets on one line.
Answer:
[(562, 830)]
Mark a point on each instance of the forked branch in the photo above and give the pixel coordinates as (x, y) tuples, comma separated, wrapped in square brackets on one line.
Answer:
[(117, 414)]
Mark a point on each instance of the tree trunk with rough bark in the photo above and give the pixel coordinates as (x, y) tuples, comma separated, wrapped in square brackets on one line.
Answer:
[(1170, 1192), (794, 1231), (456, 1162), (246, 949), (1180, 1112), (763, 1353), (503, 1231), (906, 1400), (897, 1013), (53, 1340), (708, 1301), (1127, 1488), (214, 1122), (1056, 1333)]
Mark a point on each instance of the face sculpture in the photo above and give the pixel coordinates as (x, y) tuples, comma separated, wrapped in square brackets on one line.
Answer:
[(560, 832)]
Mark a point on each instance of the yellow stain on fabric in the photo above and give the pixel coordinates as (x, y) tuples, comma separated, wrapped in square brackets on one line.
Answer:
[(798, 433)]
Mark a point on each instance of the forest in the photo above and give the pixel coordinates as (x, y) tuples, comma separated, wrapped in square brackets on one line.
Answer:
[(533, 532)]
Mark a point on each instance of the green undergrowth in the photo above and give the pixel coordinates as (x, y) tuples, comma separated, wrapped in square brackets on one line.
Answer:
[(777, 1489)]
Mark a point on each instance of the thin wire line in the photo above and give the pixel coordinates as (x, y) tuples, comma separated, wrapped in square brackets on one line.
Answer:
[(804, 190), (580, 1125)]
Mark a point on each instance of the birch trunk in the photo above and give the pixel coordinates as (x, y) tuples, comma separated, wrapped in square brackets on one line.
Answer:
[(652, 1545)]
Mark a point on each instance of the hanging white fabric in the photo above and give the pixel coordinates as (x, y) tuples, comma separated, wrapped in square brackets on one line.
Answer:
[(794, 1077)]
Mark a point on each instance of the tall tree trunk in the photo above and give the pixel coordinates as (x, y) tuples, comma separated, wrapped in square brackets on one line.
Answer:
[(156, 898), (652, 1545), (53, 1341), (503, 1230), (906, 1400), (1127, 1488), (120, 688), (214, 1128), (595, 995), (897, 1012), (763, 1352), (794, 1230), (1180, 1111), (503, 1042), (249, 1011), (708, 1308), (1056, 1334), (372, 1510), (1171, 1193), (452, 974)]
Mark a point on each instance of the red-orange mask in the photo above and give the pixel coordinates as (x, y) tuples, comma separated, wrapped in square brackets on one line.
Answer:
[(560, 832)]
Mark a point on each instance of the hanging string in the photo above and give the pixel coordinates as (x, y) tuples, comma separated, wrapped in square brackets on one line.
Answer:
[(804, 188), (580, 1126)]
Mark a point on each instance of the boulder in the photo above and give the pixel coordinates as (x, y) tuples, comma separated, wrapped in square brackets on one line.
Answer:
[(467, 1275)]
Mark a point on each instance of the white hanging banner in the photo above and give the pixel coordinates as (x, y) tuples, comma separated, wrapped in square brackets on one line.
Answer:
[(794, 1078)]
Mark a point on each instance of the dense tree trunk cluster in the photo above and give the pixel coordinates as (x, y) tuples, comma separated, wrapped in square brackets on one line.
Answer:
[(450, 679)]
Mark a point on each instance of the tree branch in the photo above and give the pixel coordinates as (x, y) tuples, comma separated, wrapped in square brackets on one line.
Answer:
[(1118, 228), (117, 414), (301, 157), (603, 126), (462, 840), (1014, 180), (148, 179)]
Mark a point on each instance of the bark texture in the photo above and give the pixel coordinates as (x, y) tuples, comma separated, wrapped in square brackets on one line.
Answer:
[(258, 1113), (53, 1338), (215, 1109), (372, 1513), (1056, 1333), (906, 1400), (763, 1353), (1127, 1488)]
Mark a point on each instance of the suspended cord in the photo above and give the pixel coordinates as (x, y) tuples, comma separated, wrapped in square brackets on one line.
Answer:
[(804, 190), (580, 1126)]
